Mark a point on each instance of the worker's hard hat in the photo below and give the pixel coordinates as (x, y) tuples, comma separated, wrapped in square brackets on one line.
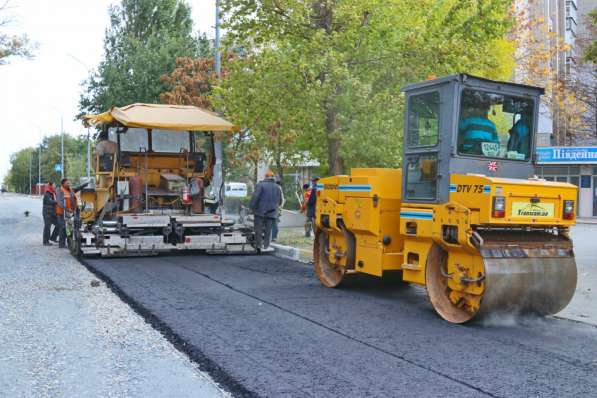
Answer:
[(269, 173)]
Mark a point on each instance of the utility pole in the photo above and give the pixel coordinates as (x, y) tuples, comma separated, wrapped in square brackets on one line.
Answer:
[(218, 173), (218, 60)]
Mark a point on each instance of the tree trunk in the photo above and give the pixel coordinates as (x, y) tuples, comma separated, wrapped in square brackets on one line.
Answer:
[(279, 166), (334, 141)]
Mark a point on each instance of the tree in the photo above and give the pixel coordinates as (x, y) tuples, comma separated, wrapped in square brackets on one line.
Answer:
[(12, 45), (329, 72), (74, 162), (144, 39), (190, 83), (590, 54), (539, 48)]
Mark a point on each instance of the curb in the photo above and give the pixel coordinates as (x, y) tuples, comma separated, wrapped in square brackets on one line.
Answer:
[(288, 252), (586, 220)]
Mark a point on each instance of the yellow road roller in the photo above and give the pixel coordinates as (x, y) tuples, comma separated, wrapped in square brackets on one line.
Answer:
[(465, 217)]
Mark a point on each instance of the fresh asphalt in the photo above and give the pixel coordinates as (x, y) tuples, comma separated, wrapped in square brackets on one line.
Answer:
[(264, 326)]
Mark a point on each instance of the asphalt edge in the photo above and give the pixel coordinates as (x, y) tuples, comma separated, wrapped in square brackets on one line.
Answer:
[(221, 377)]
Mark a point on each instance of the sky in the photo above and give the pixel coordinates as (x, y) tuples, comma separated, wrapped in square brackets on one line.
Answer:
[(35, 94)]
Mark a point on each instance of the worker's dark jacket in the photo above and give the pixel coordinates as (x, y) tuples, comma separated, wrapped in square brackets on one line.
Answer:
[(266, 199), (312, 202), (49, 204)]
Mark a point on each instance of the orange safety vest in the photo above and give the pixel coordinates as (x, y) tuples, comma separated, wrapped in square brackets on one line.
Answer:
[(70, 201), (306, 196)]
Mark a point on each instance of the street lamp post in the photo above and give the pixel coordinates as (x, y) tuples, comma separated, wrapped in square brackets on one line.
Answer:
[(61, 146), (30, 182), (89, 71), (88, 155), (39, 167)]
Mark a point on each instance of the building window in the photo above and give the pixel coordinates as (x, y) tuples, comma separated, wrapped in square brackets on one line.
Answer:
[(571, 25), (570, 5)]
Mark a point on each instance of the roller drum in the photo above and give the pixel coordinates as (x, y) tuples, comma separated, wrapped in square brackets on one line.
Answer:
[(523, 273)]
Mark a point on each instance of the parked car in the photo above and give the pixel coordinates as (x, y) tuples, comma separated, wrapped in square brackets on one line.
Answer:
[(236, 190)]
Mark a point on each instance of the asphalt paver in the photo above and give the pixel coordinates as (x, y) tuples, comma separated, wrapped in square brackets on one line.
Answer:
[(265, 326)]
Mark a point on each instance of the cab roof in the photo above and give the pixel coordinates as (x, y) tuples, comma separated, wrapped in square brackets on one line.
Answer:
[(163, 116), (462, 78)]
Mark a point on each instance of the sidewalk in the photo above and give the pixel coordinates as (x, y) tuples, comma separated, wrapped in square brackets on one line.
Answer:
[(65, 334)]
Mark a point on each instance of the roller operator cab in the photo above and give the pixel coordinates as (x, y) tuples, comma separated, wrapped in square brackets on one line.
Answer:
[(465, 217)]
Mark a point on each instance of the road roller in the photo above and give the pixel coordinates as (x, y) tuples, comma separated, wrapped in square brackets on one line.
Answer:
[(465, 216)]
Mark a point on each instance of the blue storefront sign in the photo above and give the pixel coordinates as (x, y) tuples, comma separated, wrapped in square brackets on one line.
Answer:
[(567, 155)]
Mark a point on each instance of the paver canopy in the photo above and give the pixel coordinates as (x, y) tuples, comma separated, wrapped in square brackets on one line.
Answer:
[(162, 116)]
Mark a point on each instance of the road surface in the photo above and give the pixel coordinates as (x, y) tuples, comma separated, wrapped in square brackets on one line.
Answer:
[(262, 326), (267, 326)]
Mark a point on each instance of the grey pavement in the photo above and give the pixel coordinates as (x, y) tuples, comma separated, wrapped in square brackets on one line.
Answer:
[(62, 337), (583, 306)]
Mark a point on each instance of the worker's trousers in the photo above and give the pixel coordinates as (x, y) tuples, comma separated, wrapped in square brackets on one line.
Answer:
[(61, 231), (263, 231), (48, 222)]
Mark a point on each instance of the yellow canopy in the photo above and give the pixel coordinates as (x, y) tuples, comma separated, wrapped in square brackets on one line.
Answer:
[(162, 116)]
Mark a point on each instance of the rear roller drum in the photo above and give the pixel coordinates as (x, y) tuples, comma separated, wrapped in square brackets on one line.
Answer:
[(330, 275)]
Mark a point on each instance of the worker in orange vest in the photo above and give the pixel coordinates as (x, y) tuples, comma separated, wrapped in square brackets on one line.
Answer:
[(66, 202)]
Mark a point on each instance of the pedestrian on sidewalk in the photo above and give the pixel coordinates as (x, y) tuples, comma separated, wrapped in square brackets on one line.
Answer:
[(65, 206), (49, 215), (275, 229), (265, 202), (311, 204)]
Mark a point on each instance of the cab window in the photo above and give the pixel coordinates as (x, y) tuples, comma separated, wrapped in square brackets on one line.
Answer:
[(423, 119), (134, 140), (421, 177), (167, 141), (494, 125)]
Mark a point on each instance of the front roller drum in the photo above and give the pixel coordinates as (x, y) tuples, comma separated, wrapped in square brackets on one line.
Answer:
[(519, 279), (330, 275)]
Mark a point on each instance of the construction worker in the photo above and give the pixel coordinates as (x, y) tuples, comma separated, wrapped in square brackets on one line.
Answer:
[(520, 133), (49, 215), (265, 202), (66, 203), (311, 203), (476, 131)]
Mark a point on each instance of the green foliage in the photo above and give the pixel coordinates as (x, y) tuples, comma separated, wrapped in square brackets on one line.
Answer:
[(591, 51), (75, 162), (325, 75), (144, 39)]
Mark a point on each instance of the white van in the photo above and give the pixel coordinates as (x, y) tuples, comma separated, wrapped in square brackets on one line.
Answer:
[(236, 190)]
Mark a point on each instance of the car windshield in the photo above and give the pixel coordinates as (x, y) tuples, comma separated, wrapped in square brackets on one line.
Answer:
[(495, 125)]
